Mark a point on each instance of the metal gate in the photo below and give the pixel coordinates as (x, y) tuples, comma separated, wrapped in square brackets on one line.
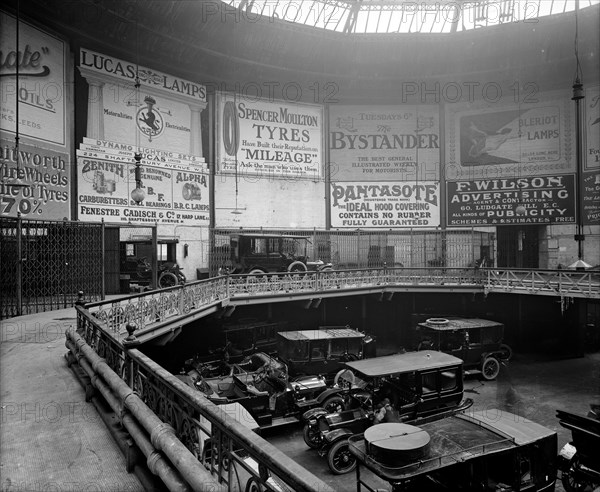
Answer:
[(373, 249), (45, 264)]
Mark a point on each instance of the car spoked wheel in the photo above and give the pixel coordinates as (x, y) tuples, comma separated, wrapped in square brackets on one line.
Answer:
[(570, 480), (490, 368), (312, 436), (167, 279), (339, 458), (297, 266), (334, 404)]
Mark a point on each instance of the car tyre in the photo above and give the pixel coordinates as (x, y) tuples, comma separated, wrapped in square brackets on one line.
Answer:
[(490, 368), (312, 436), (505, 352), (569, 476), (346, 375), (167, 279), (297, 266), (334, 404), (340, 459)]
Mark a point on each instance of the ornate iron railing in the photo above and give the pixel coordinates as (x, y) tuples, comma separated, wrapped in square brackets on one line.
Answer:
[(216, 435), (225, 447), (152, 310), (562, 283)]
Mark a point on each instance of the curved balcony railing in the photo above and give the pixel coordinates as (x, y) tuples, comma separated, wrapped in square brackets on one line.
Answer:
[(155, 309), (104, 325)]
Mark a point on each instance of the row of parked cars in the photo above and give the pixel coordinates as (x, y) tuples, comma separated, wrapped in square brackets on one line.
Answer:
[(403, 416)]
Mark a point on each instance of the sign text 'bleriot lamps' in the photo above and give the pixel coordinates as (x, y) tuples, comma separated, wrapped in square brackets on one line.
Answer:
[(138, 194)]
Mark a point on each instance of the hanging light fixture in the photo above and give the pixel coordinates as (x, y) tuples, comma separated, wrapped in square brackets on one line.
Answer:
[(16, 181), (138, 194)]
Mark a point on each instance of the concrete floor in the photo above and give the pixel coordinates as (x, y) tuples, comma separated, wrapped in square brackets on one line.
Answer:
[(529, 385), (51, 439)]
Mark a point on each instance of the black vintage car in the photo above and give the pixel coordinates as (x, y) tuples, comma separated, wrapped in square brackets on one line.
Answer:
[(264, 253), (478, 342), (407, 386), (579, 459), (324, 350), (489, 451)]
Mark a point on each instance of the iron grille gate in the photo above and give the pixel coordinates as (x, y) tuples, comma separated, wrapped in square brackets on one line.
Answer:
[(46, 263), (373, 249)]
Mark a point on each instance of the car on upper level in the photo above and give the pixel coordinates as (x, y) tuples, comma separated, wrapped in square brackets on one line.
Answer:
[(265, 253), (478, 342), (323, 351), (406, 386)]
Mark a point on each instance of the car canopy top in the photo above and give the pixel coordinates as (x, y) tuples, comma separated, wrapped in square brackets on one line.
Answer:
[(400, 363), (321, 334), (456, 439), (451, 324)]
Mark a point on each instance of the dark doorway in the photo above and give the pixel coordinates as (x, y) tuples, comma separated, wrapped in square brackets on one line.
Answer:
[(518, 246), (111, 260)]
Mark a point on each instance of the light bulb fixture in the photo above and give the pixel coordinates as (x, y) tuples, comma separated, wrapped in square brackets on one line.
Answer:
[(520, 209), (138, 194)]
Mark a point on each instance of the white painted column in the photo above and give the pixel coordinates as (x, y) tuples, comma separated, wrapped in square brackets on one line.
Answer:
[(95, 117), (195, 130)]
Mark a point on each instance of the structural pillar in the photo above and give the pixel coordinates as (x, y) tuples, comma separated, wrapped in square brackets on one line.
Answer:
[(95, 110), (196, 130)]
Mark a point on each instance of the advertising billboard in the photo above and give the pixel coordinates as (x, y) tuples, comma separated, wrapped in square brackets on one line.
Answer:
[(375, 143), (542, 200), (269, 138), (176, 192), (369, 204), (33, 85)]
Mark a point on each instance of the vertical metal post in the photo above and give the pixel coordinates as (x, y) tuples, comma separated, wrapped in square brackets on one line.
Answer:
[(19, 264), (412, 264), (473, 246), (154, 256), (103, 254), (358, 260)]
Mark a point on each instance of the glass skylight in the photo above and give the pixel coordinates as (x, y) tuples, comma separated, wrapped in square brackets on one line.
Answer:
[(405, 16)]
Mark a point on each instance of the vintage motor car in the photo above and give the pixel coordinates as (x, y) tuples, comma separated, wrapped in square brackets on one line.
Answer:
[(478, 342), (264, 253), (579, 460), (231, 342), (324, 350), (415, 384), (491, 450), (261, 384)]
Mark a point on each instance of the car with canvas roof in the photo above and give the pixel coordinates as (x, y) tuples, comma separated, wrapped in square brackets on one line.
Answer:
[(402, 387), (478, 342)]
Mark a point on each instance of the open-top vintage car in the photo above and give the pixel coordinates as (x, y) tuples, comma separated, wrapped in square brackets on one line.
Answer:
[(489, 451), (264, 253), (413, 385), (261, 384), (323, 351), (478, 342)]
